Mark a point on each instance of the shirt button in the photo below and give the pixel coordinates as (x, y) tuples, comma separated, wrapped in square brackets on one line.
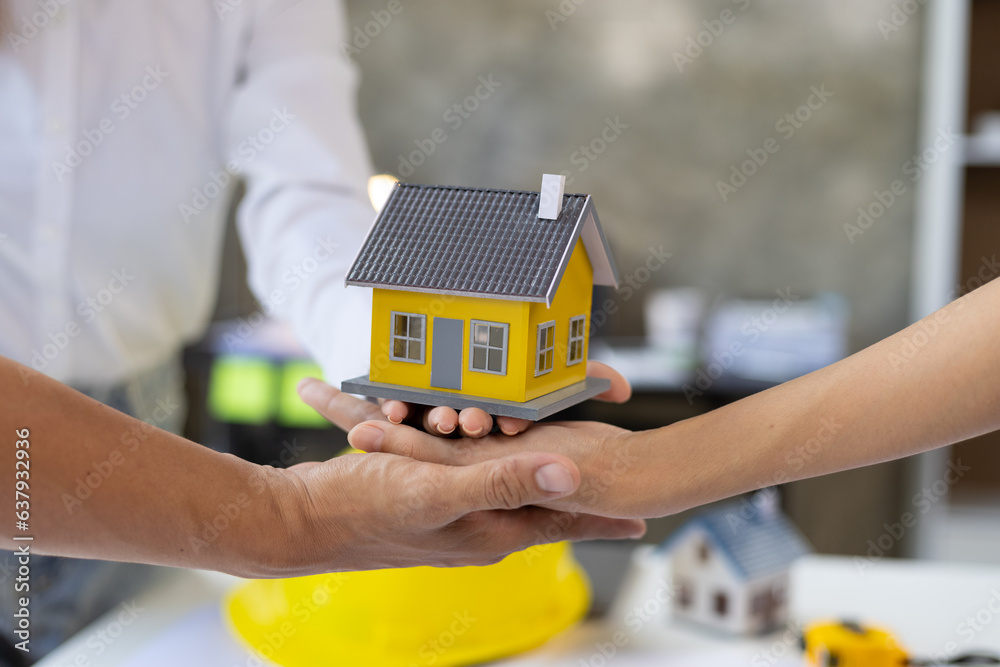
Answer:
[(55, 125), (51, 233)]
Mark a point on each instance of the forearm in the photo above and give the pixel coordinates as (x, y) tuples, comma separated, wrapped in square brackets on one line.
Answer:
[(104, 485), (932, 384)]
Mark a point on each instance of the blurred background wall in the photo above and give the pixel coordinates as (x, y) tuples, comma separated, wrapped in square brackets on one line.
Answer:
[(564, 69)]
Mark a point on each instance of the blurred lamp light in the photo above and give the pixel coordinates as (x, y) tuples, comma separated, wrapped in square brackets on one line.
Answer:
[(379, 188)]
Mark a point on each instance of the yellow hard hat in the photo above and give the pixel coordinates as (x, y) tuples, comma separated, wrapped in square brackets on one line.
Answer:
[(413, 617)]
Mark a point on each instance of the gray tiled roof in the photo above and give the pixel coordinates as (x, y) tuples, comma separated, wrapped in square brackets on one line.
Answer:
[(469, 241), (757, 541)]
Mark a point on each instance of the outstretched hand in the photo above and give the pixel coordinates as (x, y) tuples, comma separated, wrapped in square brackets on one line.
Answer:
[(346, 411), (365, 511), (612, 461)]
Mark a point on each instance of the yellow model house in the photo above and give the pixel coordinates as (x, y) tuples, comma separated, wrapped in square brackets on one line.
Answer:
[(482, 297)]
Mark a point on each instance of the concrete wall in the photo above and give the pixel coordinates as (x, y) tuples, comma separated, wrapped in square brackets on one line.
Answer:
[(671, 122)]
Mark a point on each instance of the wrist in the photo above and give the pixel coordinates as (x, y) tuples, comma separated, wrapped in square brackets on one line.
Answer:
[(679, 468), (615, 476), (657, 486), (256, 526)]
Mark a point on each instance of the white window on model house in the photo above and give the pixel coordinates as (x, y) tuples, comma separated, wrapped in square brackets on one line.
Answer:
[(574, 351), (488, 348), (409, 335), (545, 350)]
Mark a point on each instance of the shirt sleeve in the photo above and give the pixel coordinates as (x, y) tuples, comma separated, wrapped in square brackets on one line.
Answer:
[(295, 136)]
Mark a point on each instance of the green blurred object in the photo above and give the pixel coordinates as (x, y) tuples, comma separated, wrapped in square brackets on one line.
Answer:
[(243, 390), (291, 410)]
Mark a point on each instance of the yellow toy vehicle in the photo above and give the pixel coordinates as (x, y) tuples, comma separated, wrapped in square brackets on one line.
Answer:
[(849, 644)]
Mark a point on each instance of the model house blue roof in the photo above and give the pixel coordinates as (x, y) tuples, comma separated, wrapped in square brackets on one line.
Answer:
[(479, 242), (755, 537)]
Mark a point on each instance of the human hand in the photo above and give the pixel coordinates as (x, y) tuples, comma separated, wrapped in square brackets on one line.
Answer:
[(617, 475), (346, 411), (369, 511)]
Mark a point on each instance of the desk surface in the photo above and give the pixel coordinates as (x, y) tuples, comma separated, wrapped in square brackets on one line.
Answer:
[(933, 607)]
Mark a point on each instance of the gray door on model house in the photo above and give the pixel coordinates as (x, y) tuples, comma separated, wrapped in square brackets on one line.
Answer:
[(446, 353)]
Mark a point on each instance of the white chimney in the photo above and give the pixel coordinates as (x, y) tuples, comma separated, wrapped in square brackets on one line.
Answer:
[(551, 199)]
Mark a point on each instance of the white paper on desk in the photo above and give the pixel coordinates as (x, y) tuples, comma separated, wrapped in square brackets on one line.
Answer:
[(197, 639), (710, 658), (731, 656)]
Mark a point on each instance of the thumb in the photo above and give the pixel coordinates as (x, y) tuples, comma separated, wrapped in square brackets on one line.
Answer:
[(513, 481)]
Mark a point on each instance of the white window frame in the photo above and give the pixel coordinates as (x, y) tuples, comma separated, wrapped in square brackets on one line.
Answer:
[(393, 336), (539, 350), (473, 345), (582, 339)]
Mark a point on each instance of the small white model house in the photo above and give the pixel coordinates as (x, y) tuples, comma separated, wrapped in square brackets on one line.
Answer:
[(729, 566)]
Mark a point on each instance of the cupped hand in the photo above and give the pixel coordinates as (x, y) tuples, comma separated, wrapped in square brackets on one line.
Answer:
[(346, 411), (369, 511), (613, 462)]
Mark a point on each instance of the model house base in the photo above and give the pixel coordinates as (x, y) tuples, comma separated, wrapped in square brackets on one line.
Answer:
[(535, 409)]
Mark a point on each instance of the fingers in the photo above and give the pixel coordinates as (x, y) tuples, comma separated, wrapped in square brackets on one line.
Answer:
[(510, 483), (440, 421), (396, 411), (475, 423), (341, 409), (472, 422), (411, 443), (541, 526), (620, 390), (592, 527), (512, 425)]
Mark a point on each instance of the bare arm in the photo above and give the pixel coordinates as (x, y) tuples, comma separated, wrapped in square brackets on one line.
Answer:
[(104, 485), (935, 383)]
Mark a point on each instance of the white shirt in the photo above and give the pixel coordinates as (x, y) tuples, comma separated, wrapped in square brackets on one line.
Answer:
[(118, 119)]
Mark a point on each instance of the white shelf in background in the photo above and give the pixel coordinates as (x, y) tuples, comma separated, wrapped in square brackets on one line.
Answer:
[(983, 150)]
